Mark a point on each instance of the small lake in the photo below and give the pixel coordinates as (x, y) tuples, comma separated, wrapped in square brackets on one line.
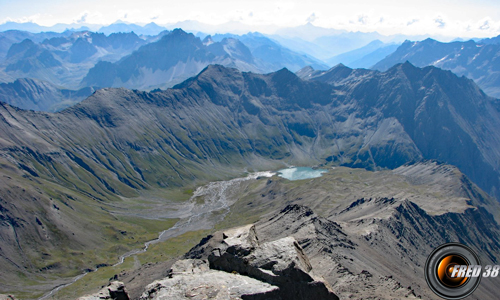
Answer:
[(298, 173)]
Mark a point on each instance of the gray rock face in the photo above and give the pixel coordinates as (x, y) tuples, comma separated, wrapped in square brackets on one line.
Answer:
[(277, 269), (115, 290), (192, 279)]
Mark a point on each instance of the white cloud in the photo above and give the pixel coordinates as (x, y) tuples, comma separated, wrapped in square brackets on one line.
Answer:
[(413, 21), (462, 18), (33, 18), (363, 19), (440, 22), (311, 18), (485, 26), (83, 18)]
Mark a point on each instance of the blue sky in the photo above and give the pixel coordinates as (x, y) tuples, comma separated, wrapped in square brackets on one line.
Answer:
[(439, 17)]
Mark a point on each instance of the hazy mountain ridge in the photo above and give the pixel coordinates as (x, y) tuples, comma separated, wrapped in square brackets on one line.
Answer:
[(10, 37), (271, 55), (324, 43), (475, 60), (64, 60), (178, 55), (118, 26), (364, 57), (32, 94)]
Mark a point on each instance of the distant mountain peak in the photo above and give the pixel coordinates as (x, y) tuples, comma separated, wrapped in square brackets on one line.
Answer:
[(405, 68), (178, 34), (340, 66), (429, 40), (408, 64), (208, 40), (306, 69), (20, 47), (213, 69), (285, 72), (179, 31)]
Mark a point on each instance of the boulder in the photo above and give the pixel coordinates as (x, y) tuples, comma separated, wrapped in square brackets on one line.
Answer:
[(115, 290)]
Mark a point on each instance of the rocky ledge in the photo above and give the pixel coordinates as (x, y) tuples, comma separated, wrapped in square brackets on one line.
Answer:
[(233, 264)]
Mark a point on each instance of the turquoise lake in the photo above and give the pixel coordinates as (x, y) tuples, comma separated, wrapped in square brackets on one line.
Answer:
[(298, 173)]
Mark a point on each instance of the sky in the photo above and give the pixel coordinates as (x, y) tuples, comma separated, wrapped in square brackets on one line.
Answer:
[(461, 18)]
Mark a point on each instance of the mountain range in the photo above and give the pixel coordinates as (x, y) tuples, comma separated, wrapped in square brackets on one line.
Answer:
[(151, 29), (64, 60), (10, 37), (270, 55), (179, 55), (409, 152), (325, 44), (116, 27), (106, 153), (364, 57), (35, 28), (475, 60)]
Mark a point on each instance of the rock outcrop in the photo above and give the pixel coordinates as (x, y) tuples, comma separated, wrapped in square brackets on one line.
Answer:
[(234, 264), (193, 279), (115, 290)]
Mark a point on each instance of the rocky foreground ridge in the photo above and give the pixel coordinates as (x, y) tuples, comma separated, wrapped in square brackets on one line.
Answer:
[(234, 264), (372, 248)]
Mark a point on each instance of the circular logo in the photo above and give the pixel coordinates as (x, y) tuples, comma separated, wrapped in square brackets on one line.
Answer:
[(449, 271)]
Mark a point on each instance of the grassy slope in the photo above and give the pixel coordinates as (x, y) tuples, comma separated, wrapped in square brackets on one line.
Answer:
[(77, 232)]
